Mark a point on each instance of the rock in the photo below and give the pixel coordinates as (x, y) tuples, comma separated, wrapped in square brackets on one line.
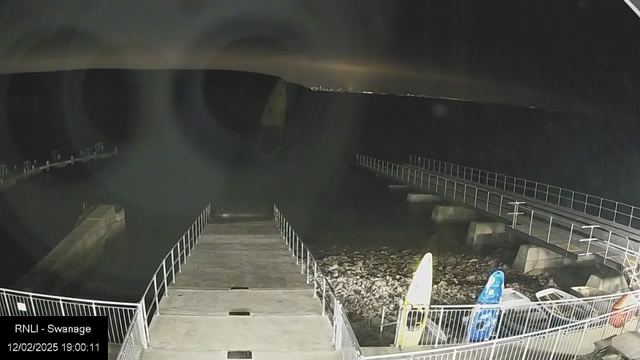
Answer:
[(366, 281)]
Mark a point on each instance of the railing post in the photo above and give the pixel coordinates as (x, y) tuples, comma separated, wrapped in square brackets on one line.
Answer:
[(570, 236), (93, 306), (33, 308), (439, 326), (546, 198), (179, 259), (308, 259), (526, 348), (606, 252), (531, 222), (555, 345), (591, 238), (173, 270), (164, 276), (324, 295), (584, 330), (144, 313), (515, 213), (549, 232), (6, 302), (475, 201), (301, 253), (142, 327), (464, 195), (315, 279), (500, 211), (155, 289), (61, 307)]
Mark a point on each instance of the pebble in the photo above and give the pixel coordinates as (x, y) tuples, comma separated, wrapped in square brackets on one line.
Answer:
[(365, 281)]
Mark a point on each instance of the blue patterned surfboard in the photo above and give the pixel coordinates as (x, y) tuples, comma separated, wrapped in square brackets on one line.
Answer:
[(483, 321)]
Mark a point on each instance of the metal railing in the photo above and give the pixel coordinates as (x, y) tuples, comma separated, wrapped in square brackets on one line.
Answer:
[(172, 263), (343, 336), (565, 342), (30, 168), (22, 303), (611, 210), (589, 241), (135, 342), (138, 332), (449, 324)]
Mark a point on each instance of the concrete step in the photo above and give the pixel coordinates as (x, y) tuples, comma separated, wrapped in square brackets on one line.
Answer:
[(241, 238), (165, 354), (257, 302), (211, 268), (242, 228), (266, 333)]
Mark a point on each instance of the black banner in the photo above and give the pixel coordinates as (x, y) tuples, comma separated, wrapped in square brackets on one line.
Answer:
[(41, 337)]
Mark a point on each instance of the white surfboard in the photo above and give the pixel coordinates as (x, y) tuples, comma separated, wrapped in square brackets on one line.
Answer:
[(416, 304)]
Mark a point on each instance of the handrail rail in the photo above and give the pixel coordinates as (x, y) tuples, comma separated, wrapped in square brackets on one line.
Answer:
[(343, 334), (546, 302), (80, 300), (539, 188)]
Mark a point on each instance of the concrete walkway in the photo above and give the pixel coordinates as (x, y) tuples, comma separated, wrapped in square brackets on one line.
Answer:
[(558, 239), (276, 317)]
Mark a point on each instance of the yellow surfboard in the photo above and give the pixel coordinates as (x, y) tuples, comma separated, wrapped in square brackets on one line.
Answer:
[(416, 305), (271, 129)]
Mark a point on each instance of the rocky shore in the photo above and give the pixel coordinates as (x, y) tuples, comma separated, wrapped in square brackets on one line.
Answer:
[(365, 281)]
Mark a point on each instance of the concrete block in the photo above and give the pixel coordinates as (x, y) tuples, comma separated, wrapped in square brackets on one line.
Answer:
[(448, 213), (608, 283), (586, 291), (78, 250), (487, 234), (422, 198), (400, 187), (531, 257)]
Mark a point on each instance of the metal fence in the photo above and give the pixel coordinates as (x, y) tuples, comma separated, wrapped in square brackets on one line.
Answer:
[(30, 168), (611, 210), (565, 342), (448, 325), (343, 336), (172, 263), (20, 303), (589, 241), (137, 338), (135, 341)]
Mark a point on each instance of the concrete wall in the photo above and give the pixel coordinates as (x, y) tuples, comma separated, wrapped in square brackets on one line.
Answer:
[(449, 213), (78, 250), (531, 257), (481, 234)]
